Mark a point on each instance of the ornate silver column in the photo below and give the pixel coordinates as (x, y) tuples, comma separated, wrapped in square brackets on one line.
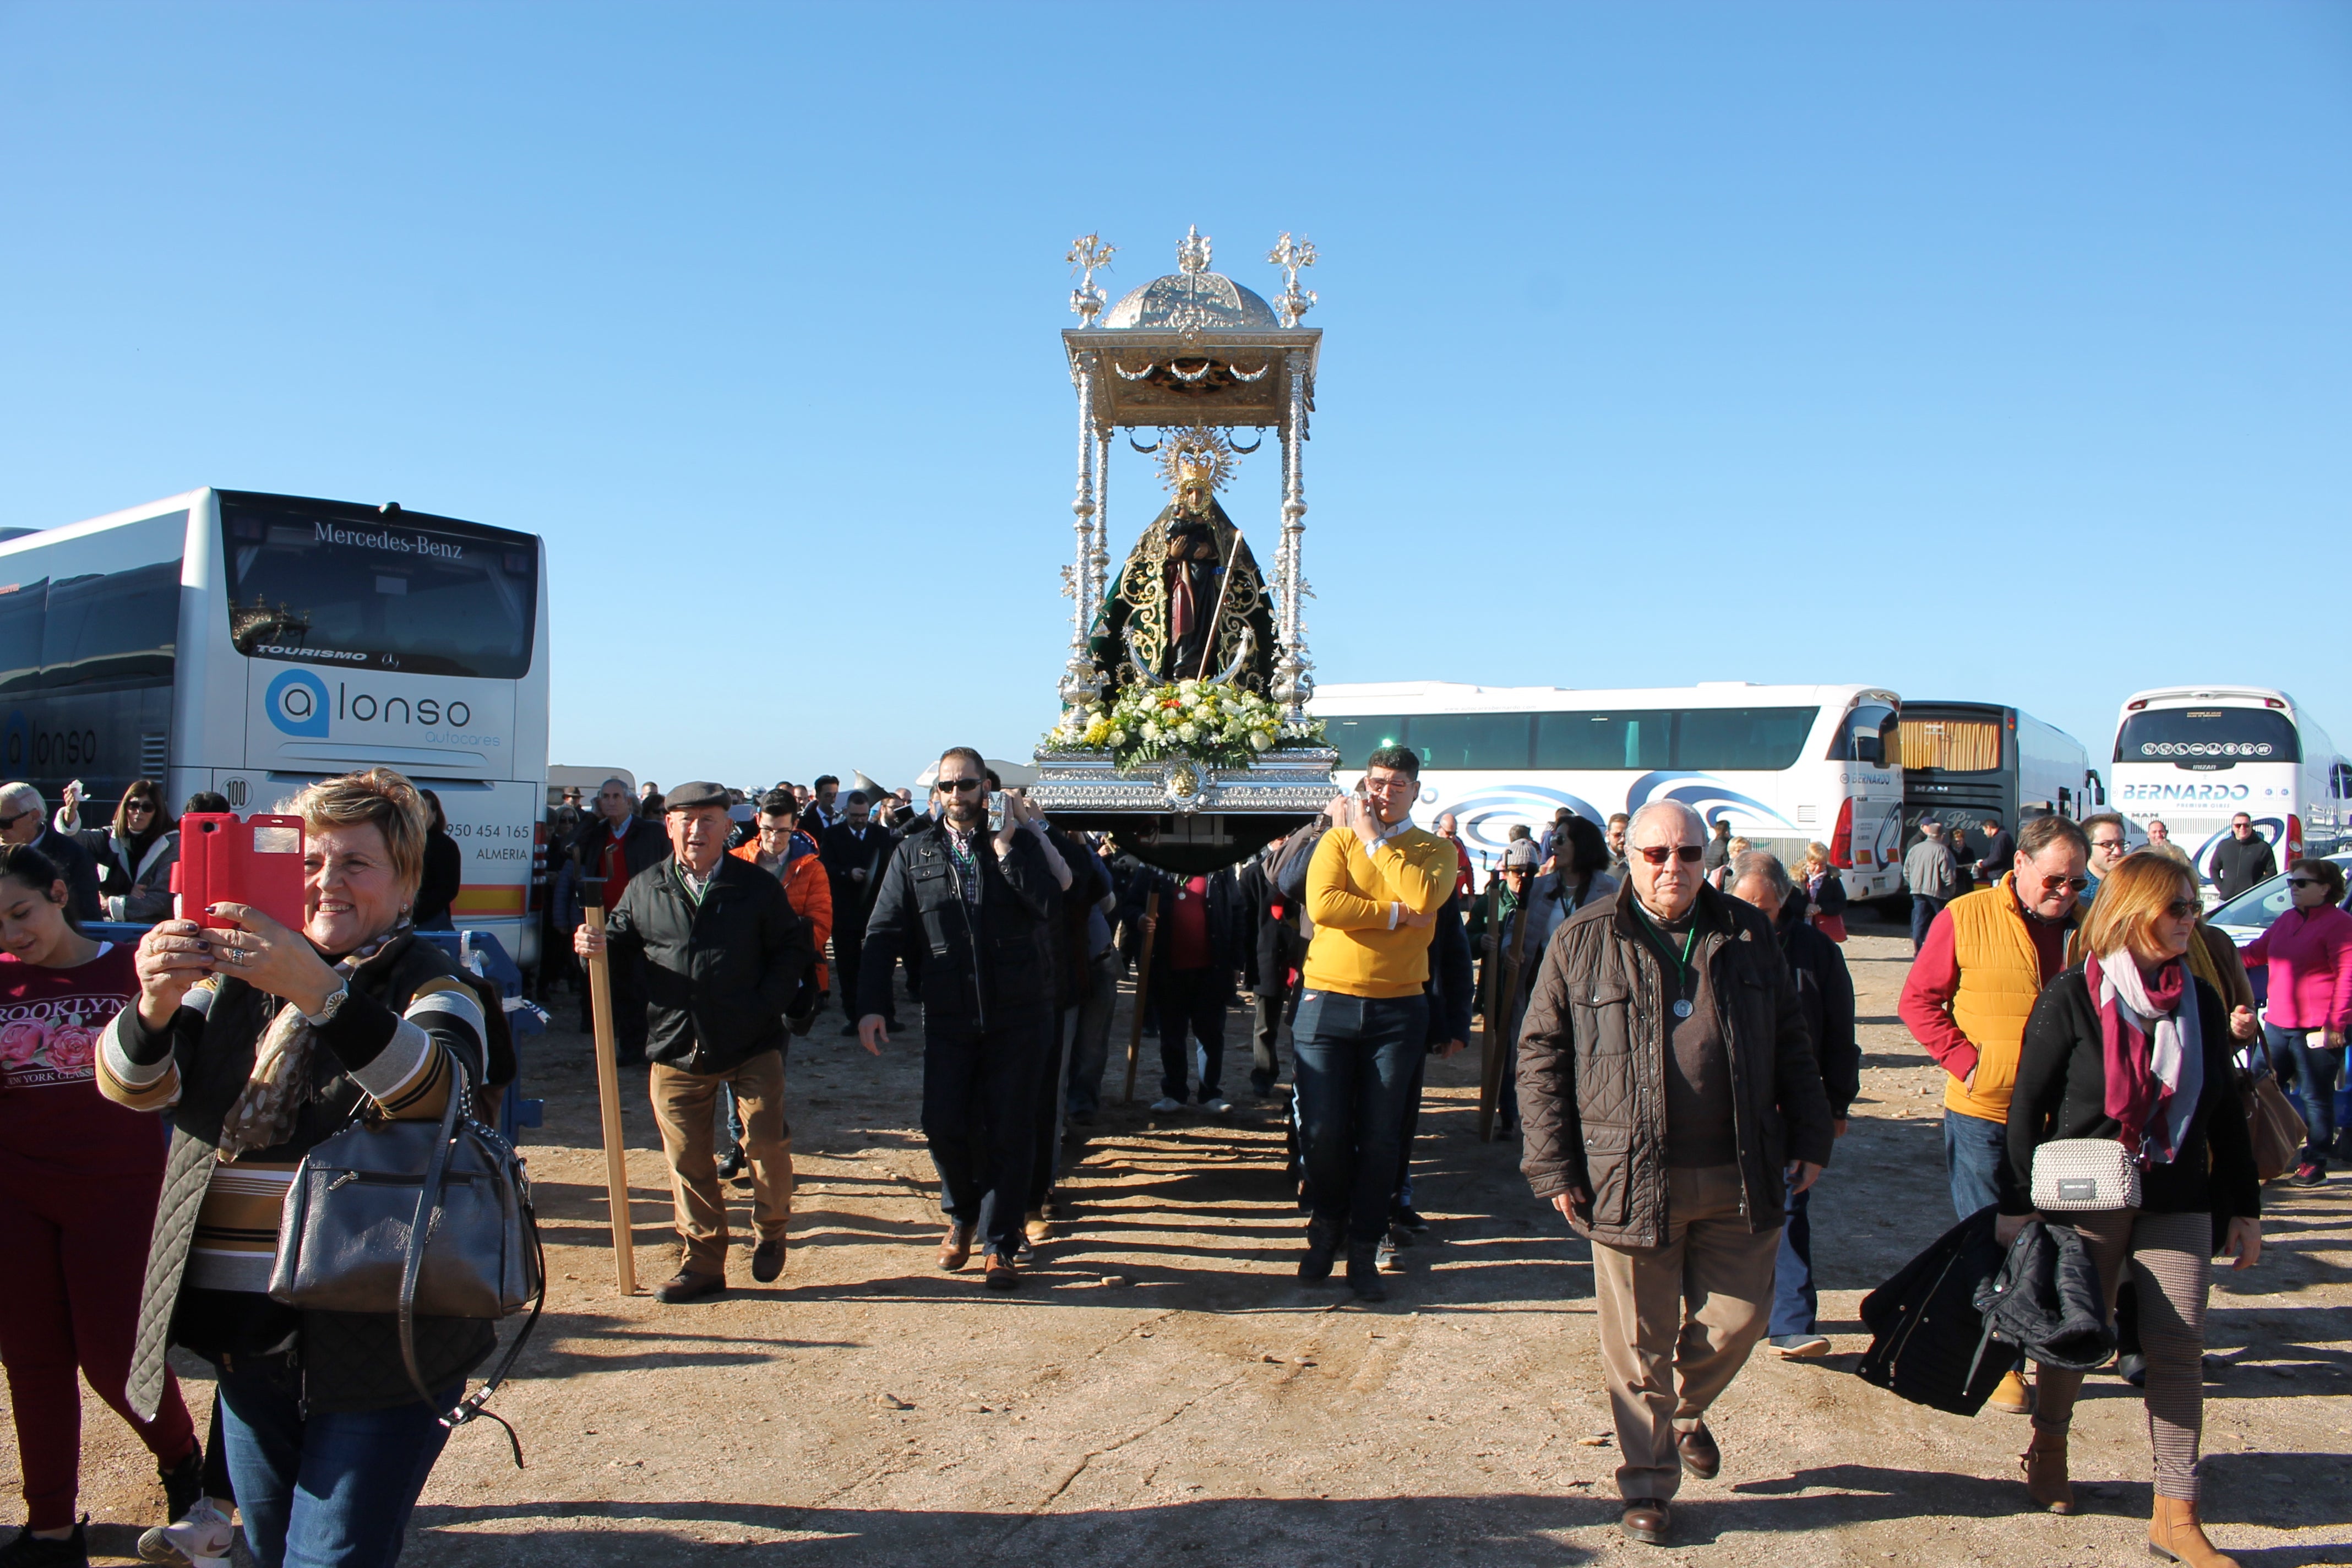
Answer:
[(1080, 683), (1097, 567), (1293, 683)]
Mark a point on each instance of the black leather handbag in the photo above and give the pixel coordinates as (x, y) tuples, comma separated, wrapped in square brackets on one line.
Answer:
[(412, 1218)]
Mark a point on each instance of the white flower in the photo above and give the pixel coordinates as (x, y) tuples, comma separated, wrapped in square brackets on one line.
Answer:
[(1117, 736), (1150, 731), (1259, 741), (1188, 733)]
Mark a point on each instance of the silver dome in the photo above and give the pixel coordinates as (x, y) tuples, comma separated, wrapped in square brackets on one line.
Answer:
[(1192, 302)]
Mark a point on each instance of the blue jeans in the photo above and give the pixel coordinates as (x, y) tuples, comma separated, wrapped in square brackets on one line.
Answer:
[(333, 1490), (1352, 1077), (1973, 1152), (2311, 1072), (1924, 911), (1796, 1306)]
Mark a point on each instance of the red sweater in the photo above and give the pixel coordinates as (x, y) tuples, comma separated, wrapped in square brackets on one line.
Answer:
[(2310, 958)]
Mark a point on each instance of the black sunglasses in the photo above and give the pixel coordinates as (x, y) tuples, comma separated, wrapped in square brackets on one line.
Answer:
[(8, 821), (2304, 882), (957, 787), (1655, 854), (2184, 908)]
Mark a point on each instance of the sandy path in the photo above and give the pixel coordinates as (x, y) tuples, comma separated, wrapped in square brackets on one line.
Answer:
[(869, 1410)]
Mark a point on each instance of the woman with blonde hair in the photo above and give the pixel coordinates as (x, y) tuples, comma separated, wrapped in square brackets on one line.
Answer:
[(2134, 1048), (1824, 892), (260, 1042)]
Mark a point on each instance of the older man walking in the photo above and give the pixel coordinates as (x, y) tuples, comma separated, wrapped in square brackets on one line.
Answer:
[(723, 954), (1671, 1099), (1967, 999)]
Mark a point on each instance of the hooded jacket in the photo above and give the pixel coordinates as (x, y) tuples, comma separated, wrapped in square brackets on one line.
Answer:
[(1593, 1054)]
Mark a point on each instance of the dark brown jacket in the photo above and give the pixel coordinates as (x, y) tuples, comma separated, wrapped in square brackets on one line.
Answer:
[(1592, 1057)]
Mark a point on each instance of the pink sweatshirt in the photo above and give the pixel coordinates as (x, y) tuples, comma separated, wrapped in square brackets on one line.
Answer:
[(2310, 958)]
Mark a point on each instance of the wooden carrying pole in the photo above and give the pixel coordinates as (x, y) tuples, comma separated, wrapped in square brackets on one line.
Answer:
[(1502, 999), (1142, 991), (608, 1097)]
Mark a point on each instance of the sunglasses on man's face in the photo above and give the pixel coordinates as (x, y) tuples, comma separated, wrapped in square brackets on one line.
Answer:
[(8, 821), (2053, 886), (957, 787), (1655, 854)]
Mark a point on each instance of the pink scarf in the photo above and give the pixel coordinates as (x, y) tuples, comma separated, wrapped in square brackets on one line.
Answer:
[(2152, 1050)]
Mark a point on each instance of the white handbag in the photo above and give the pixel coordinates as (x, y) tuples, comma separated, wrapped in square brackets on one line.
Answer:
[(2078, 1174)]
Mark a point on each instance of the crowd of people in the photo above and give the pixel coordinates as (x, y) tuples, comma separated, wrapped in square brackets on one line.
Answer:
[(1675, 999)]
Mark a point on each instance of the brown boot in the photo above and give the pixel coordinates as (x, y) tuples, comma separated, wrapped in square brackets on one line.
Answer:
[(2175, 1534), (2045, 1472)]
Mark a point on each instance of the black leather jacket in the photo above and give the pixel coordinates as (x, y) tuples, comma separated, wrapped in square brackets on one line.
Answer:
[(989, 963)]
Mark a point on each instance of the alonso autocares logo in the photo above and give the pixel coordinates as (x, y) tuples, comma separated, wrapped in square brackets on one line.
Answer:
[(297, 704)]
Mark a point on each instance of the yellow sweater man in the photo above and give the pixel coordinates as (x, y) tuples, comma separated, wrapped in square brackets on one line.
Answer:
[(1374, 890)]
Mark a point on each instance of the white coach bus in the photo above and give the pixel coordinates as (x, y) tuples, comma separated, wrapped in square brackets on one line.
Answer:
[(250, 644), (1785, 765), (2193, 757)]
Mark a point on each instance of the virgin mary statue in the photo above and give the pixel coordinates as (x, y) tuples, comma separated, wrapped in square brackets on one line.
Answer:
[(1189, 603)]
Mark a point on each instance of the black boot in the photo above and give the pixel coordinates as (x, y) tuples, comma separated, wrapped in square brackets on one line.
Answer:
[(183, 1483), (1364, 1271), (1322, 1243), (730, 1164), (29, 1551)]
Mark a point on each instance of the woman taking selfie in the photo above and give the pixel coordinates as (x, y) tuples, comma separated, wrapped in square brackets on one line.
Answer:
[(145, 846), (2133, 1047), (263, 1042), (78, 1183), (2308, 951)]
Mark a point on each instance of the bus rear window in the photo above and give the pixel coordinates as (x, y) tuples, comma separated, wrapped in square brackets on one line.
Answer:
[(1951, 745), (2205, 738), (326, 583)]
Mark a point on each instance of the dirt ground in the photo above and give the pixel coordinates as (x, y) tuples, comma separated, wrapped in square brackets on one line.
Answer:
[(1162, 1389)]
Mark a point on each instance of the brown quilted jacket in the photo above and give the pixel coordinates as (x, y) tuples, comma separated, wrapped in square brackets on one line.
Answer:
[(1592, 1056)]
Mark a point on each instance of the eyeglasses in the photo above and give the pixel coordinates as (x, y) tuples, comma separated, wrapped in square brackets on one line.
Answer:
[(1655, 854), (8, 821), (957, 787), (131, 806), (2184, 908), (2106, 843), (2051, 885), (2304, 882)]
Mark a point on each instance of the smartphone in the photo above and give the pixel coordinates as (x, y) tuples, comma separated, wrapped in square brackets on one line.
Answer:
[(228, 859), (996, 810)]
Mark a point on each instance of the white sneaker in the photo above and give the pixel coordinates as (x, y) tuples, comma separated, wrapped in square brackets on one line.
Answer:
[(198, 1539), (1164, 1105), (1218, 1106)]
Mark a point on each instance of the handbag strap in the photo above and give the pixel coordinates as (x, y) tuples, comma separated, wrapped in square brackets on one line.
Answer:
[(428, 1209)]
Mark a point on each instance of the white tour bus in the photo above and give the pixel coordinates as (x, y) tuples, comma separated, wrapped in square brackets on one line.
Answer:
[(2193, 757), (1785, 765), (250, 644)]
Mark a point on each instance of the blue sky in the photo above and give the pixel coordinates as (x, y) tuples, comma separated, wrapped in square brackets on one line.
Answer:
[(1991, 352)]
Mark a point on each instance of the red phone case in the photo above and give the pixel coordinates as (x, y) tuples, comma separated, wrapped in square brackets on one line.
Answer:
[(228, 859)]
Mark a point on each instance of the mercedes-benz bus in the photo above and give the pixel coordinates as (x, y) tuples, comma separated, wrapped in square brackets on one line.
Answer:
[(1967, 762), (2193, 757), (249, 643), (1784, 766)]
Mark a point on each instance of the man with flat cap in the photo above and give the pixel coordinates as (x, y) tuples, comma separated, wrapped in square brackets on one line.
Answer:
[(723, 954)]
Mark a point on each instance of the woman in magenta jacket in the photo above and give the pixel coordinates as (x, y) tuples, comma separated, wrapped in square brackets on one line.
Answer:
[(2309, 950)]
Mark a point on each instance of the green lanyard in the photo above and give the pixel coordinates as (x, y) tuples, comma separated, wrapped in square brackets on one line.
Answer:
[(1682, 962)]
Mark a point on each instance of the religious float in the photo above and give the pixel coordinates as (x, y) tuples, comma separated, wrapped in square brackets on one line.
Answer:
[(1184, 732)]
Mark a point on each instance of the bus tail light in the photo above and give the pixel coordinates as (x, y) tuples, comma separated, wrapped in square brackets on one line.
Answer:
[(2294, 838), (1842, 841)]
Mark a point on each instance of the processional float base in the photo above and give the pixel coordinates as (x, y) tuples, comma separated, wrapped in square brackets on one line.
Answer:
[(1182, 816)]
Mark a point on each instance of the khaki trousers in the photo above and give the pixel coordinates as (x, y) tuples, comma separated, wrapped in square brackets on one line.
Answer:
[(682, 1106), (1677, 1320)]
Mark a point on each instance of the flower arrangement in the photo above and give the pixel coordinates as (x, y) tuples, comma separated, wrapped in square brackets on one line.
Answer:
[(1207, 720)]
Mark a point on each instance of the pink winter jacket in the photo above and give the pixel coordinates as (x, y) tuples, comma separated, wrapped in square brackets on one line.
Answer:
[(2310, 958)]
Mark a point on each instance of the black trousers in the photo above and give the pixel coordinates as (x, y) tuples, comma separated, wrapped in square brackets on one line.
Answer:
[(1266, 1037), (1045, 1162), (848, 961), (627, 966), (1191, 1001), (980, 1118)]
